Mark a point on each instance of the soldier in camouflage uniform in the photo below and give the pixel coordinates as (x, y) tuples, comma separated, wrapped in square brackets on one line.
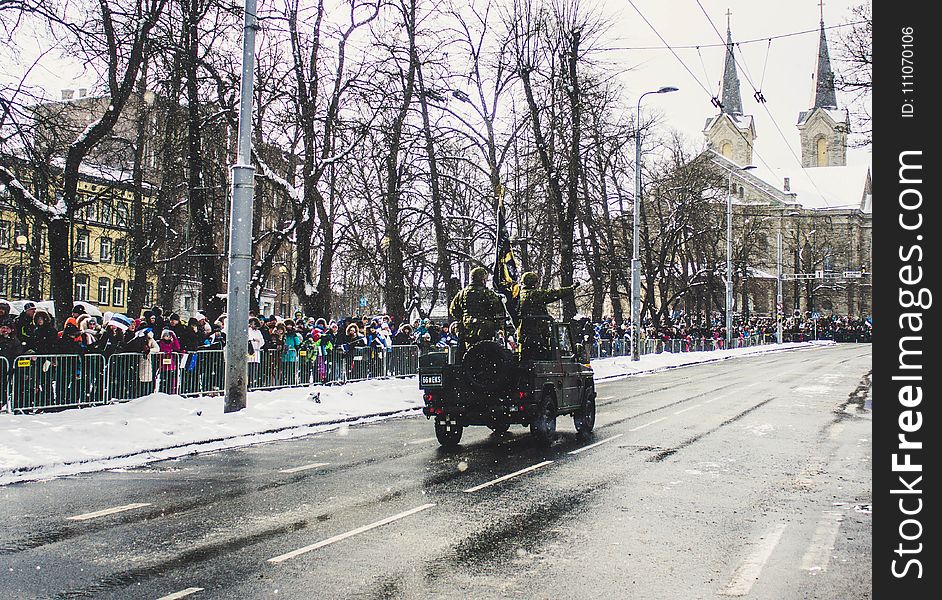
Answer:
[(477, 310), (531, 331)]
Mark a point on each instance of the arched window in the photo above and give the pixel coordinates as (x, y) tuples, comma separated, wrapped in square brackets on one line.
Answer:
[(821, 152), (726, 149)]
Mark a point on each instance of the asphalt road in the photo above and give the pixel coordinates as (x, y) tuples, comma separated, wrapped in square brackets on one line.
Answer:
[(744, 478)]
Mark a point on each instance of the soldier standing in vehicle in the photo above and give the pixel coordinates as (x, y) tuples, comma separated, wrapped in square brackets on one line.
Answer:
[(532, 331), (478, 311)]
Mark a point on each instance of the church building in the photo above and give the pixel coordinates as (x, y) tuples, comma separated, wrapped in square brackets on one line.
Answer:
[(818, 212)]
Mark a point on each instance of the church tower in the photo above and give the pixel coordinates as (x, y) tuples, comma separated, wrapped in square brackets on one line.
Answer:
[(823, 128), (731, 133)]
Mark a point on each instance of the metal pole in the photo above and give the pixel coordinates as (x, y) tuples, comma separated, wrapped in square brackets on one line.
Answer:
[(729, 262), (635, 261), (779, 303), (240, 226)]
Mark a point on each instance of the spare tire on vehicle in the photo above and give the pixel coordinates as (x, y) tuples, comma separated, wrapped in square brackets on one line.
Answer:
[(488, 367)]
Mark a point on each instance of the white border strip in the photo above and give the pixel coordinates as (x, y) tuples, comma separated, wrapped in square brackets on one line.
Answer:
[(108, 511), (605, 441), (646, 424), (506, 477), (181, 594), (343, 536), (819, 552), (303, 468), (751, 567)]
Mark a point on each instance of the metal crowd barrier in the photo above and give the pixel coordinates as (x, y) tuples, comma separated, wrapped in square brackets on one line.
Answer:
[(37, 382), (42, 381)]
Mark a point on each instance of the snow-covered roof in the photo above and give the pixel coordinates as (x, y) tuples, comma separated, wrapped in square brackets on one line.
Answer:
[(823, 187), (740, 121), (838, 115)]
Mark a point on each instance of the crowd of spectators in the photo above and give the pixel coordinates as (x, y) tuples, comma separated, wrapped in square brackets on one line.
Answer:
[(301, 350)]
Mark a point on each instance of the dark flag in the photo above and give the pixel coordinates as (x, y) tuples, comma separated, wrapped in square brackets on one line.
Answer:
[(505, 264)]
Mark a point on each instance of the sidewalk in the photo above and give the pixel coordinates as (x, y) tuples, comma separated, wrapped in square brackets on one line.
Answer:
[(160, 426)]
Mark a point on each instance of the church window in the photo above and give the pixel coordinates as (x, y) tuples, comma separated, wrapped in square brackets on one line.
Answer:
[(821, 152), (726, 149)]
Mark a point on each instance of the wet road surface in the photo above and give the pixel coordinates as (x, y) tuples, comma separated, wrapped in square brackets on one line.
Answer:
[(745, 478)]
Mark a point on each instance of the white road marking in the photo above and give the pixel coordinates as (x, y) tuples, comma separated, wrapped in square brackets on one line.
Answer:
[(688, 408), (108, 511), (605, 398), (303, 468), (751, 567), (351, 533), (819, 552), (181, 594), (646, 424), (506, 477), (422, 441), (605, 441)]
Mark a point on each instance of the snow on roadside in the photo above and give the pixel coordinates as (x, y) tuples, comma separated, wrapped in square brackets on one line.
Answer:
[(160, 426)]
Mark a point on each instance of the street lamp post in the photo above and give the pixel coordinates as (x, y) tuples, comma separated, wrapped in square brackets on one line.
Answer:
[(729, 254), (635, 261), (21, 241)]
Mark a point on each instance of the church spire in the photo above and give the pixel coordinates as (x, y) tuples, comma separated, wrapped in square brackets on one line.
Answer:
[(731, 98), (824, 95)]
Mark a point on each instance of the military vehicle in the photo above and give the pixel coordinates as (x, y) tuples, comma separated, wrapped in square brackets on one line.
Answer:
[(494, 387)]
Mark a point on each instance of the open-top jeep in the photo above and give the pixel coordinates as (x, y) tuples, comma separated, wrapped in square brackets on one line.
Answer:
[(492, 386)]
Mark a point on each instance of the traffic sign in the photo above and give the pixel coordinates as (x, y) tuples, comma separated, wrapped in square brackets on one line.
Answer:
[(362, 301)]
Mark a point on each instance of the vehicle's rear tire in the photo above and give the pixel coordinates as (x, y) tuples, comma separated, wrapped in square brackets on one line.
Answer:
[(488, 367), (543, 426), (448, 432), (584, 418), (500, 428)]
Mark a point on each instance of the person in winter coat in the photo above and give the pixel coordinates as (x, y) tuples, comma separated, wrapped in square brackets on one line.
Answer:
[(169, 347), (254, 352), (9, 345), (44, 338), (192, 338), (23, 330), (352, 355), (291, 343), (145, 373)]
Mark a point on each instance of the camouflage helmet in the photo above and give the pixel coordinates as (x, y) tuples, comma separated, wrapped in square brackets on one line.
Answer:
[(478, 275), (530, 279)]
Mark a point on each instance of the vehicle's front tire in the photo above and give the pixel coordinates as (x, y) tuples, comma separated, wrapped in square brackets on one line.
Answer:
[(584, 418), (543, 426), (448, 432)]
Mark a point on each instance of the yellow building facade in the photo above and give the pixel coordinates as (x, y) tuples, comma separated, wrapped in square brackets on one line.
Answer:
[(102, 261)]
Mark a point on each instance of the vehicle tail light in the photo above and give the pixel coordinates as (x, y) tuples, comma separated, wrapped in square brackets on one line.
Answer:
[(428, 398)]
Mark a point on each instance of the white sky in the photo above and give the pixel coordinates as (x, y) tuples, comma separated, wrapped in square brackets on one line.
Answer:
[(786, 84)]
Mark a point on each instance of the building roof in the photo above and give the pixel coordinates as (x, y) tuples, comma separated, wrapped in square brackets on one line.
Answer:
[(730, 98), (740, 121), (822, 188), (824, 94), (837, 115)]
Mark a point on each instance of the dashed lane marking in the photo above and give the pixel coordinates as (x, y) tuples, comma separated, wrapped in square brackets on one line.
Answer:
[(751, 567), (422, 441), (343, 536), (303, 468), (646, 424), (108, 511), (818, 555), (688, 408), (181, 594), (605, 441), (506, 477)]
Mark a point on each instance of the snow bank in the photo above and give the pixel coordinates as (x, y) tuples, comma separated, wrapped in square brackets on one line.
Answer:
[(160, 426)]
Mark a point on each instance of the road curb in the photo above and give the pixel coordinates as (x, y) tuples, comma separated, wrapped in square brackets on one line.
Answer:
[(804, 346), (23, 474)]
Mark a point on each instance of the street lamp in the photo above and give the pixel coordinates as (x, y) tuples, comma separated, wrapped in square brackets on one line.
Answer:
[(729, 254), (21, 241), (635, 262)]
